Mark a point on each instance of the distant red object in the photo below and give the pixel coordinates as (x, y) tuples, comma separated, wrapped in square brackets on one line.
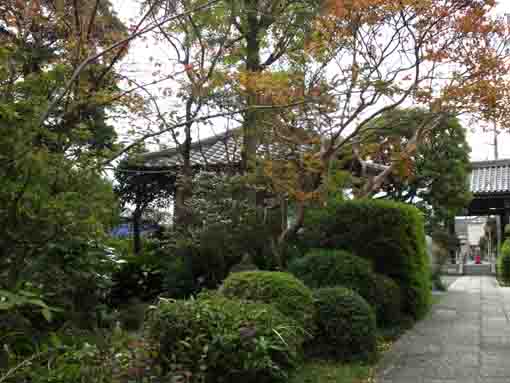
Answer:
[(478, 260)]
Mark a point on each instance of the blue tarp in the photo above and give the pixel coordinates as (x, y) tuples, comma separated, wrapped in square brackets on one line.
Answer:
[(126, 230)]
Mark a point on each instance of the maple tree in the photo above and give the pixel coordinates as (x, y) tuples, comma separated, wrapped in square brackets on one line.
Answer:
[(374, 56), (302, 75), (310, 78)]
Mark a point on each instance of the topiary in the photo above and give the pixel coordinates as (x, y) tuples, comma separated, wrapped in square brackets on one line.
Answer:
[(504, 263), (217, 339), (283, 290), (390, 235), (389, 301), (346, 326), (437, 282), (328, 268)]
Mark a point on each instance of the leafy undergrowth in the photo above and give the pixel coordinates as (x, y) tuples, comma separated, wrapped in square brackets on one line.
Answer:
[(330, 371), (436, 299)]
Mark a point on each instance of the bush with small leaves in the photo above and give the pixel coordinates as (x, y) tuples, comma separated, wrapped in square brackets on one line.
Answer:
[(329, 268), (388, 301), (217, 339), (346, 324), (504, 263), (388, 234), (287, 293)]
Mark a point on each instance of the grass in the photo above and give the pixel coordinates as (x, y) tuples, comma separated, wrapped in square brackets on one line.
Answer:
[(329, 372)]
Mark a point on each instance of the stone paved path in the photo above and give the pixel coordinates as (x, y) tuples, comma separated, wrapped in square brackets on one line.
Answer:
[(465, 339)]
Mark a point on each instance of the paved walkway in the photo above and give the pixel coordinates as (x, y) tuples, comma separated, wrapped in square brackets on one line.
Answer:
[(465, 339)]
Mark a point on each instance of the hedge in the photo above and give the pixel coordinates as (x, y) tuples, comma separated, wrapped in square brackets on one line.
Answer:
[(504, 263), (346, 326), (287, 293), (329, 268), (388, 301), (391, 235), (216, 339)]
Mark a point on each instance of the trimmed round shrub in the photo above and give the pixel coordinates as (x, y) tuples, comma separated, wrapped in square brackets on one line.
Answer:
[(390, 235), (217, 339), (328, 268), (504, 263), (287, 293), (346, 326), (389, 301)]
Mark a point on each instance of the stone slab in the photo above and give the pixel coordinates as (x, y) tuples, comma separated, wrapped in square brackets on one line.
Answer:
[(465, 339)]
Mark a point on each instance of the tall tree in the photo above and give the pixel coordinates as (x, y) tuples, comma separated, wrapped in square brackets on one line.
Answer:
[(143, 188), (53, 199), (434, 176), (372, 57), (352, 61)]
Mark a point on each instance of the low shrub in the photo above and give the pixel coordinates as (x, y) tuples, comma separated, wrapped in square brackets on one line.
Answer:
[(390, 235), (328, 268), (85, 357), (287, 293), (346, 326), (157, 271), (388, 301), (437, 282), (504, 263), (132, 314), (217, 339)]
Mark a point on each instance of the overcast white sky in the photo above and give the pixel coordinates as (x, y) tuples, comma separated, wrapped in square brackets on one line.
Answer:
[(481, 142)]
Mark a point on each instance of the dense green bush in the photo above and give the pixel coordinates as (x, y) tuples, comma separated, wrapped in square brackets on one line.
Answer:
[(504, 263), (329, 268), (157, 271), (346, 324), (437, 282), (71, 356), (389, 234), (217, 339), (388, 301), (283, 290)]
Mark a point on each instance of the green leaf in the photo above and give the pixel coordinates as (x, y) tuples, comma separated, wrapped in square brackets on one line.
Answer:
[(46, 313)]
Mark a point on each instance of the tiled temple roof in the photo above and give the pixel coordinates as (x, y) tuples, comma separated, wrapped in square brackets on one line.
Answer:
[(490, 177), (224, 149)]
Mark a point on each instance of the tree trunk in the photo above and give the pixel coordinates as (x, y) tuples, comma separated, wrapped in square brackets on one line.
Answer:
[(451, 230), (184, 189), (137, 238), (250, 134)]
